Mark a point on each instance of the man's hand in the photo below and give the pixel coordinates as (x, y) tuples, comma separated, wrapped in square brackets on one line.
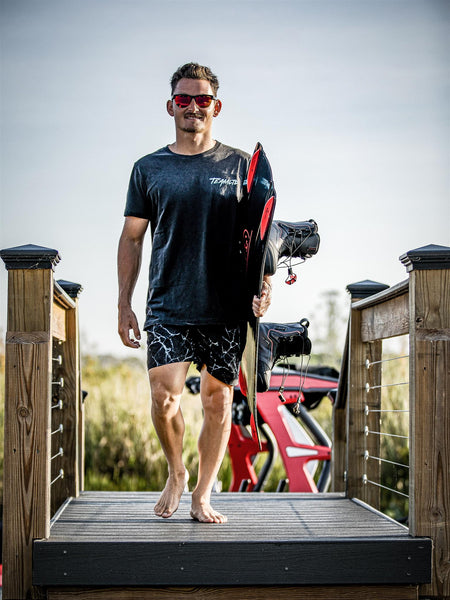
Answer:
[(128, 323), (261, 304)]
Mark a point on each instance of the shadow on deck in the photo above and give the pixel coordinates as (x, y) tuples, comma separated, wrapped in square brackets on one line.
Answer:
[(113, 539)]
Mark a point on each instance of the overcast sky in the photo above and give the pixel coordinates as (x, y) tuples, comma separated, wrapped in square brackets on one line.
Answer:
[(350, 99)]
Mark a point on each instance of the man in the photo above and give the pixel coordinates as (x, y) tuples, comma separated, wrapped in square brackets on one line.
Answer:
[(190, 192)]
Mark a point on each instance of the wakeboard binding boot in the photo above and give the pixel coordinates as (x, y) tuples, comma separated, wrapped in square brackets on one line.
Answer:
[(288, 241), (279, 341)]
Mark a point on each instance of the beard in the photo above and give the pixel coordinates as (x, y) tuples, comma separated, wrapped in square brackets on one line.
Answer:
[(189, 129), (192, 126)]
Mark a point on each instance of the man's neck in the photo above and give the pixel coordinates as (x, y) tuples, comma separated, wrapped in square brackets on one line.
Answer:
[(191, 144)]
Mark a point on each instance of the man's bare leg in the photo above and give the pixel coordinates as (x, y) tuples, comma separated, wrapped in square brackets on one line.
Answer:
[(217, 398), (167, 383)]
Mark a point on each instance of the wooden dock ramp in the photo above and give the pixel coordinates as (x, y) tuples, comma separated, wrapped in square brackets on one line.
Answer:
[(62, 542), (274, 543)]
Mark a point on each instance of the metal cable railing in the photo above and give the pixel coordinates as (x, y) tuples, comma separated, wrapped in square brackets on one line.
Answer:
[(57, 407), (390, 431)]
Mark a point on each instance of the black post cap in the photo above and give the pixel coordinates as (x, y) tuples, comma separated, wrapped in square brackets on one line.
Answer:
[(30, 257), (363, 289), (427, 257), (72, 289)]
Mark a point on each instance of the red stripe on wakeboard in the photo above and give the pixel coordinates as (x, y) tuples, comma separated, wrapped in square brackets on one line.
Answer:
[(252, 169), (242, 383), (267, 213), (254, 429)]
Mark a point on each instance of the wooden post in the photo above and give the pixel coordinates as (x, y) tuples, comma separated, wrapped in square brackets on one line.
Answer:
[(26, 495), (339, 433), (429, 509), (74, 367), (66, 370), (358, 376)]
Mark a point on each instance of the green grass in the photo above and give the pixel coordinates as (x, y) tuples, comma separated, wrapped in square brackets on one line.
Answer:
[(122, 451)]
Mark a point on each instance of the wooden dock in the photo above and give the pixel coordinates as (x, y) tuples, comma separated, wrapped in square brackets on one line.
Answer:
[(114, 539), (283, 546)]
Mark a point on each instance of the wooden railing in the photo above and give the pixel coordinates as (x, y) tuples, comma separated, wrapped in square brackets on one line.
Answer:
[(420, 307), (43, 444), (43, 370)]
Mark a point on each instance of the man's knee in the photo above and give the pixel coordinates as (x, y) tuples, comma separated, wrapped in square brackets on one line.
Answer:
[(166, 385), (217, 398), (164, 403)]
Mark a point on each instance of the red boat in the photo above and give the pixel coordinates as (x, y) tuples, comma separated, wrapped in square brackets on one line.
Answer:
[(301, 441)]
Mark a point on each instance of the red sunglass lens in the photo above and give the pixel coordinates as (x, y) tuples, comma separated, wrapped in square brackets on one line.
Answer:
[(203, 101), (183, 100)]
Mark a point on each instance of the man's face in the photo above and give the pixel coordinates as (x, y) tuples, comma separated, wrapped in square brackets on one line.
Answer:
[(193, 119)]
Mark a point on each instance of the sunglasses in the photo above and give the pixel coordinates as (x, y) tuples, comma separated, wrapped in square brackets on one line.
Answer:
[(202, 100)]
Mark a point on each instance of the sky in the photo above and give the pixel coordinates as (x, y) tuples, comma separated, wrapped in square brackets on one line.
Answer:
[(349, 98)]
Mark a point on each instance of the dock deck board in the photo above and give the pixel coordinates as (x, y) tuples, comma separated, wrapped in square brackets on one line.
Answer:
[(103, 538)]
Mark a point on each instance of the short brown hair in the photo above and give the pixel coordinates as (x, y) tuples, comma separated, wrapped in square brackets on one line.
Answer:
[(194, 71)]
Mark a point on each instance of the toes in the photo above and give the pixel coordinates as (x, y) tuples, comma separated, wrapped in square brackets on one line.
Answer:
[(163, 512), (208, 516), (170, 498), (202, 518), (221, 518)]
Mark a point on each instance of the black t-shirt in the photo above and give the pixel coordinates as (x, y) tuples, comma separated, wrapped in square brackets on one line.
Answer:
[(192, 203)]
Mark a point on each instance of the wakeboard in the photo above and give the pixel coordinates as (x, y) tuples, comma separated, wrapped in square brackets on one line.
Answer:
[(258, 209)]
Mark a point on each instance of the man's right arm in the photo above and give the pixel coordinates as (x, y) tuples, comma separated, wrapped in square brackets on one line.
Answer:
[(128, 266)]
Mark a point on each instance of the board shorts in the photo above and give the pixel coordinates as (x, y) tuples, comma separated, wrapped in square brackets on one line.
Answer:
[(218, 347)]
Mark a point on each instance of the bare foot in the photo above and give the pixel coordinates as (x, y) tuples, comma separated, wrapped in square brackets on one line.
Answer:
[(170, 497), (202, 511)]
